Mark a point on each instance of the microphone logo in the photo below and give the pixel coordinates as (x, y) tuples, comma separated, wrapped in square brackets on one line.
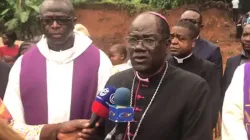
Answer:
[(104, 92), (125, 115), (112, 99), (121, 114)]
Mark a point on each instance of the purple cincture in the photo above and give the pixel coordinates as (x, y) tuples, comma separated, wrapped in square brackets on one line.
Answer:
[(247, 98), (33, 85)]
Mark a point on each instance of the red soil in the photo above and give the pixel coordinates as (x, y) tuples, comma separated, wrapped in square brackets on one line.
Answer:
[(109, 26)]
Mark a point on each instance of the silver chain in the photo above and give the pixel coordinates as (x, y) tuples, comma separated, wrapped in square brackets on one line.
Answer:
[(146, 110)]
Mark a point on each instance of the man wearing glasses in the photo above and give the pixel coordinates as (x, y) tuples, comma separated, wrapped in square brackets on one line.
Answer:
[(183, 38), (55, 81), (203, 48), (172, 102)]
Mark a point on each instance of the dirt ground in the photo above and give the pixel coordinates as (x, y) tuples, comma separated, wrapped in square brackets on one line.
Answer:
[(110, 26)]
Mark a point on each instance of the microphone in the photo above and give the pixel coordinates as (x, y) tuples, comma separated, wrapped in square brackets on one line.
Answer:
[(100, 106), (120, 113)]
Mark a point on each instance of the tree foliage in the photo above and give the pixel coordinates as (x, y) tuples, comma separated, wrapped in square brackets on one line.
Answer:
[(22, 15), (19, 15)]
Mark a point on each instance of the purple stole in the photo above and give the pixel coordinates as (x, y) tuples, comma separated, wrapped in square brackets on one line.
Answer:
[(247, 98), (33, 85)]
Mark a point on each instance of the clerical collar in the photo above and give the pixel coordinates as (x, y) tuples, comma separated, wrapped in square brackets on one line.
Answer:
[(147, 79), (81, 43), (180, 60)]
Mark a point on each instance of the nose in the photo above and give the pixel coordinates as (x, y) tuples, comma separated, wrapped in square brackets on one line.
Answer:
[(174, 40), (139, 46), (54, 24)]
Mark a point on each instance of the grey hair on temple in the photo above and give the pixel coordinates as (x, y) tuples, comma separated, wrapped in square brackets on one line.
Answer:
[(64, 6)]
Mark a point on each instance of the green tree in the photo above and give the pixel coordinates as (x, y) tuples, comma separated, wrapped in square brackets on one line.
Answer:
[(21, 16)]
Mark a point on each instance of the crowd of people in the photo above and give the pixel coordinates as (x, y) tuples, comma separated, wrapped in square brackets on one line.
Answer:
[(175, 77)]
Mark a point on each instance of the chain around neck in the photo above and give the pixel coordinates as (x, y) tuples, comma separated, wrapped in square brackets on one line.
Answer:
[(146, 110)]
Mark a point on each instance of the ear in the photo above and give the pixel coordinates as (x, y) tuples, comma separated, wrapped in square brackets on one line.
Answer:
[(122, 57), (201, 26)]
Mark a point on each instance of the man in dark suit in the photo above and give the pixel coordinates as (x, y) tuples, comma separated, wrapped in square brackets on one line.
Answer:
[(235, 61), (183, 38), (4, 74), (203, 48)]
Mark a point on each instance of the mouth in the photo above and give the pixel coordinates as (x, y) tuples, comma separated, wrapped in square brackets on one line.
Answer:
[(173, 49), (247, 45), (56, 35), (140, 59)]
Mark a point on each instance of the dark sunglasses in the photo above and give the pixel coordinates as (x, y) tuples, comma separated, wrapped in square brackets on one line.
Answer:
[(191, 20), (60, 21)]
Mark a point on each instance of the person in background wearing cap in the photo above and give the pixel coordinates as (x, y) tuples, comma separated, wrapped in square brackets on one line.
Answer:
[(169, 103)]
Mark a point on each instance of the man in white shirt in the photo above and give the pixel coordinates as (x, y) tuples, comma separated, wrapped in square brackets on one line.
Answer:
[(57, 80), (235, 4)]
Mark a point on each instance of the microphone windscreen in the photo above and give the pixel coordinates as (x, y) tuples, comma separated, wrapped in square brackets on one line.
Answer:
[(106, 96), (122, 97), (101, 103)]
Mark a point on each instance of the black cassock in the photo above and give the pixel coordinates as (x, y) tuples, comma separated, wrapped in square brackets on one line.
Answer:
[(180, 110), (208, 71)]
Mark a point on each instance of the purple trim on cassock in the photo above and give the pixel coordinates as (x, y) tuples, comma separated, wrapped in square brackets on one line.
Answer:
[(247, 98), (33, 85)]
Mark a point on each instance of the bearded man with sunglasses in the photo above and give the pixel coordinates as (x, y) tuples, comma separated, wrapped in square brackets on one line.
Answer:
[(55, 81), (183, 39), (203, 48)]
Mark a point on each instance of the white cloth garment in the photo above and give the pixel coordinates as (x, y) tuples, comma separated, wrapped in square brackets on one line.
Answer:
[(235, 4), (121, 67), (59, 80), (232, 113), (129, 63)]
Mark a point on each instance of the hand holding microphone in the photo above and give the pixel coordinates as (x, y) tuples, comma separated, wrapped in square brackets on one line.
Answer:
[(100, 110)]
